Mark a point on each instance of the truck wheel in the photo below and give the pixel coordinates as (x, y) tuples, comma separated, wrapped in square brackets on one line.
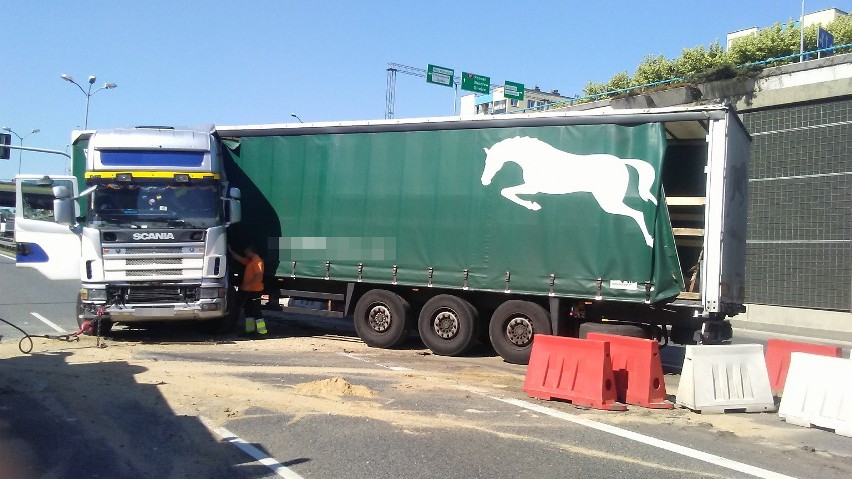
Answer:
[(105, 324), (512, 328), (617, 329), (447, 325), (226, 323), (381, 318)]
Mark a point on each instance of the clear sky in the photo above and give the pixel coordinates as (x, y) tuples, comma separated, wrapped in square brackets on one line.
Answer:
[(188, 63)]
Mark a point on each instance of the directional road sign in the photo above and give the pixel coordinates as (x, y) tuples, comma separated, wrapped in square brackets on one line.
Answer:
[(514, 91), (440, 75), (475, 83)]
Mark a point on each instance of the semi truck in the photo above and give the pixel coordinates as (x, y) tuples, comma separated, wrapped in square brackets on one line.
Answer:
[(483, 229)]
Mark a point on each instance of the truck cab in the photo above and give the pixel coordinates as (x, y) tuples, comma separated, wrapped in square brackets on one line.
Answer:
[(152, 226)]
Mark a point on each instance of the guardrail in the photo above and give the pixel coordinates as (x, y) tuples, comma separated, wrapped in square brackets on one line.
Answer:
[(7, 243)]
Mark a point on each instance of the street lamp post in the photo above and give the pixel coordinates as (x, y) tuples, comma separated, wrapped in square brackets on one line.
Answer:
[(296, 117), (21, 139), (89, 92)]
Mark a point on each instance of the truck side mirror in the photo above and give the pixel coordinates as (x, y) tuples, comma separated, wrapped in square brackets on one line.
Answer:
[(235, 210), (235, 193), (61, 192), (64, 211)]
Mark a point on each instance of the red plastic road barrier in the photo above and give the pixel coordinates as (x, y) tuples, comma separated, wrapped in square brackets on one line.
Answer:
[(638, 370), (778, 359), (576, 370)]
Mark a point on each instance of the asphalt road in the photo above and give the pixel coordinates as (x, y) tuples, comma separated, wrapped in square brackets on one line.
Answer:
[(430, 416), (33, 303)]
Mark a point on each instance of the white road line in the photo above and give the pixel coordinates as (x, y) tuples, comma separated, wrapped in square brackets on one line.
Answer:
[(7, 256), (392, 368), (252, 451), (48, 322), (651, 441)]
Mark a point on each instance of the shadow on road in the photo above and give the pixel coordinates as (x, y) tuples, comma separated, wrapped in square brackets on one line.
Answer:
[(280, 325), (63, 420)]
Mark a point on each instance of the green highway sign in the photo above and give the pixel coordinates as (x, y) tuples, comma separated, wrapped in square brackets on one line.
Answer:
[(475, 83), (439, 75), (514, 91)]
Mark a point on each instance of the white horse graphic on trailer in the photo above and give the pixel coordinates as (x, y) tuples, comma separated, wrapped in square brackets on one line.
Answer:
[(552, 171)]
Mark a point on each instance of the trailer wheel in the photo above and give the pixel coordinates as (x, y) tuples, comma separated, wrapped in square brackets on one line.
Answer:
[(617, 329), (513, 326), (447, 325), (381, 318)]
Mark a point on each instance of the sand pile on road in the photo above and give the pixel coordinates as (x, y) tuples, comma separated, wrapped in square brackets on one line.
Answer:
[(336, 386)]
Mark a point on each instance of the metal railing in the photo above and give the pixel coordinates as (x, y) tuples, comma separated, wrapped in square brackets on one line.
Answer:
[(7, 243), (597, 96)]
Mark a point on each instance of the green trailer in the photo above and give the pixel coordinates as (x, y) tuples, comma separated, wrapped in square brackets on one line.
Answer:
[(499, 228)]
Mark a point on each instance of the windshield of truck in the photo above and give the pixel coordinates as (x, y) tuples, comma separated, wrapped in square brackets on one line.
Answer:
[(156, 205)]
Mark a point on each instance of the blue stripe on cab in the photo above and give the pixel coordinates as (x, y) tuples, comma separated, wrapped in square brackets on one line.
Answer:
[(34, 253), (152, 158)]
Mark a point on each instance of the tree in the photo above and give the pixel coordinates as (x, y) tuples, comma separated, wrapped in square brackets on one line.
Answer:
[(712, 62), (652, 70), (773, 42), (697, 60)]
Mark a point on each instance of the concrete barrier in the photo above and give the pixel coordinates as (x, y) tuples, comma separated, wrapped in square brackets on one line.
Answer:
[(818, 392), (725, 378)]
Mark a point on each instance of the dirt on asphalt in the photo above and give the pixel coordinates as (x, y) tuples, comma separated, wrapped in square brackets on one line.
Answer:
[(227, 379)]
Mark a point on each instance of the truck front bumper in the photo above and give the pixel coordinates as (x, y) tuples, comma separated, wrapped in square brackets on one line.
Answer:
[(201, 310)]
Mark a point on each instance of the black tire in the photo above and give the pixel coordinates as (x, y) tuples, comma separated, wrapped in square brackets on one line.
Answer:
[(104, 324), (617, 329), (225, 324), (512, 328), (448, 325), (382, 318)]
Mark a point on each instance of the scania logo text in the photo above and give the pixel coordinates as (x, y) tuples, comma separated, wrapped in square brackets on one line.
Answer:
[(153, 236)]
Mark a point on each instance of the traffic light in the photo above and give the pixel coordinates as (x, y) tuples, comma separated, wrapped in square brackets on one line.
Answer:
[(5, 152)]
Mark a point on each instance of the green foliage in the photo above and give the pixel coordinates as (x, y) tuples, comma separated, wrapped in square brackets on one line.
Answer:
[(696, 60), (653, 69), (775, 41), (619, 81), (841, 29), (713, 62)]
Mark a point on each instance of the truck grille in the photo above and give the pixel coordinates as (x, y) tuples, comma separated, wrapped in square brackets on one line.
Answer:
[(132, 261), (155, 294), (163, 250), (155, 272), (145, 262)]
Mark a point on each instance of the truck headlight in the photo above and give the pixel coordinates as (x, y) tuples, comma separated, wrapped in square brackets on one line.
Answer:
[(212, 293), (89, 294)]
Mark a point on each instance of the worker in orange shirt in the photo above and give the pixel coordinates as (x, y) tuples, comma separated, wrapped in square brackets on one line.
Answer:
[(251, 288)]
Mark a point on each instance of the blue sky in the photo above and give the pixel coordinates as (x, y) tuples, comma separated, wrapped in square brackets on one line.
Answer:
[(230, 62)]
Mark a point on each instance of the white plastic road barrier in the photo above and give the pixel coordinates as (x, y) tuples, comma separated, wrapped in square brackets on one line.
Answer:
[(725, 378), (818, 392)]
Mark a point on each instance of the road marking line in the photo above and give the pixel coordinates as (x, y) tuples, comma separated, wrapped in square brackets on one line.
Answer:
[(651, 441), (48, 322), (252, 451), (392, 368), (7, 256)]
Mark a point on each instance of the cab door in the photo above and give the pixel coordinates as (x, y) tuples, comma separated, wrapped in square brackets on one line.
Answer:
[(42, 244)]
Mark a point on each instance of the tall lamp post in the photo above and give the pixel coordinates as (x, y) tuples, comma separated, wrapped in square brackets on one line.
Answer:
[(21, 138), (296, 117), (89, 92)]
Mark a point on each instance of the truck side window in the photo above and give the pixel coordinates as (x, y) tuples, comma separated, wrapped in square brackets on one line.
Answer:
[(38, 199)]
